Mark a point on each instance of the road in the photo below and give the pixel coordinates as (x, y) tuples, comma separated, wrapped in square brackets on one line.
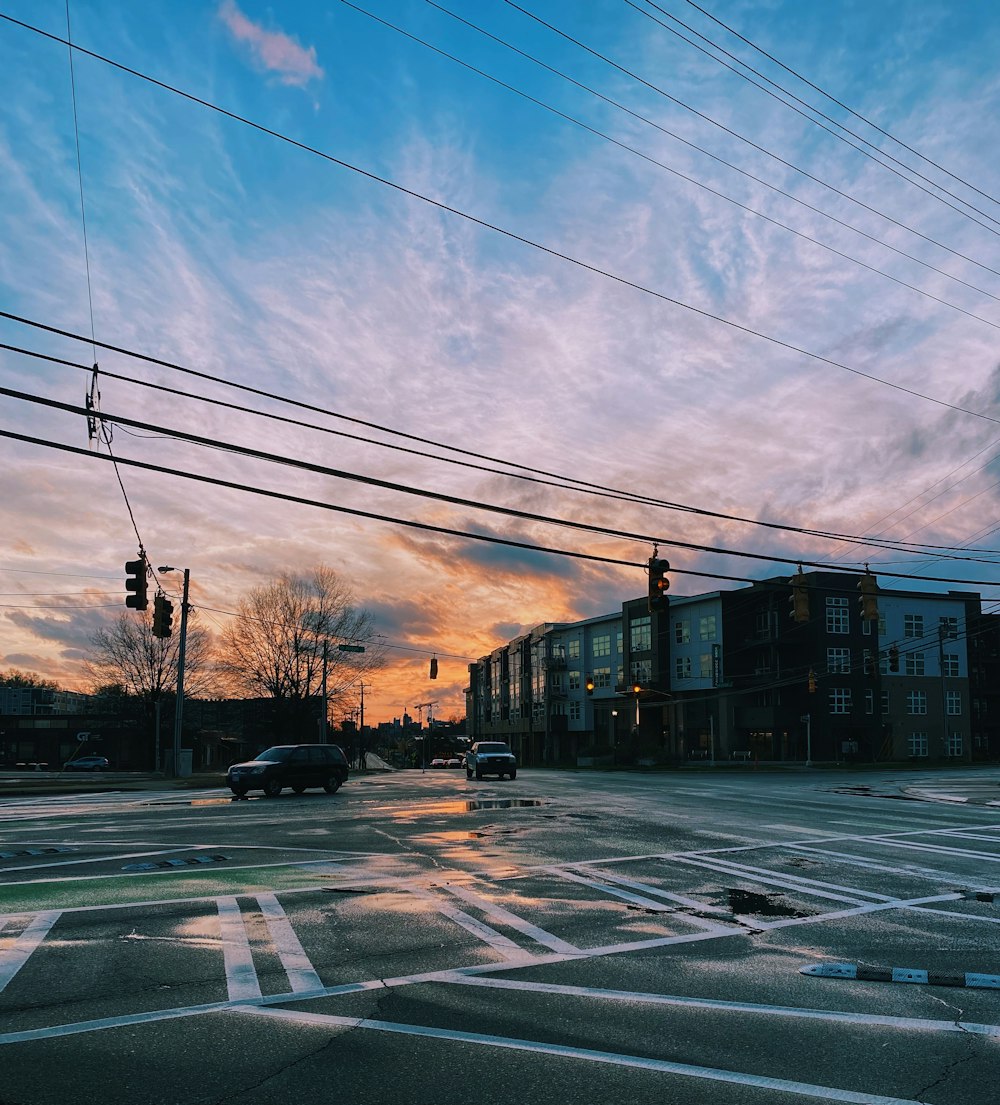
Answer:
[(571, 937)]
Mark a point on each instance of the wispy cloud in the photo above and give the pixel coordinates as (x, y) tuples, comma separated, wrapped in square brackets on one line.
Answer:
[(273, 50)]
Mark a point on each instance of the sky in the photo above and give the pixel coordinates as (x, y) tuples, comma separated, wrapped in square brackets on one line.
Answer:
[(486, 250)]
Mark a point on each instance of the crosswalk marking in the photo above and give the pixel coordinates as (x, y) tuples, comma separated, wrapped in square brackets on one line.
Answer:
[(15, 957)]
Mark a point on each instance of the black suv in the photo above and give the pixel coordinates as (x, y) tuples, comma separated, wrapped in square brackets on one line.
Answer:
[(298, 766)]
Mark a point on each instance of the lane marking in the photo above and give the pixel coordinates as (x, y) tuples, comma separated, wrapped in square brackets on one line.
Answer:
[(519, 924), (496, 940), (680, 899), (15, 957), (722, 867), (854, 892), (241, 975), (604, 888), (664, 1066), (302, 976), (931, 874), (641, 997)]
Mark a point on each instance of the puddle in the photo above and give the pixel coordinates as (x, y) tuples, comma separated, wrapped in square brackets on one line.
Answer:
[(470, 805), (744, 902)]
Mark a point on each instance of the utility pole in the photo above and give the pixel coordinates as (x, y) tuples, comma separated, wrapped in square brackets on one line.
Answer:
[(181, 648), (322, 720), (361, 731)]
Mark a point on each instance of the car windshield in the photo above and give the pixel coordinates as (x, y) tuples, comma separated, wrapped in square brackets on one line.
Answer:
[(277, 755), (493, 748)]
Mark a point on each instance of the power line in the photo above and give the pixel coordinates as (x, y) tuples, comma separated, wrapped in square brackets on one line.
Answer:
[(839, 103), (808, 106), (512, 235), (681, 175), (715, 123), (465, 534), (574, 485)]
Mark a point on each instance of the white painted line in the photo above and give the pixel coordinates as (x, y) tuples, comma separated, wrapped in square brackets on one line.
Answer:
[(911, 870), (603, 888), (938, 849), (641, 997), (504, 916), (496, 940), (15, 957), (853, 892), (723, 867), (241, 975), (957, 916), (680, 899), (302, 976), (961, 834), (803, 829), (663, 1066)]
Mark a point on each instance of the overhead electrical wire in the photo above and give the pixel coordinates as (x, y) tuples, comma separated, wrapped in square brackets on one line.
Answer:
[(840, 103), (576, 486), (512, 235), (809, 107), (731, 165), (684, 176), (715, 123)]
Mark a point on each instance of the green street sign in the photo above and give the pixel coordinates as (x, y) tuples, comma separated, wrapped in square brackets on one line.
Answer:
[(351, 648)]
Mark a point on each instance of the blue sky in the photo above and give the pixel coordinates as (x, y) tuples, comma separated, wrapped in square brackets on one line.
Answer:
[(222, 248)]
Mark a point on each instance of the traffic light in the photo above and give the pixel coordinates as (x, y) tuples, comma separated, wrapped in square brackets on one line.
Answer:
[(658, 583), (868, 599), (812, 681), (893, 658), (799, 598), (135, 583), (163, 615), (636, 689), (589, 684), (434, 668)]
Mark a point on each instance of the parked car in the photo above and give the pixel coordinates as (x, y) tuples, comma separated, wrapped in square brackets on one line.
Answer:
[(437, 762), (87, 763), (454, 761), (299, 766), (490, 758)]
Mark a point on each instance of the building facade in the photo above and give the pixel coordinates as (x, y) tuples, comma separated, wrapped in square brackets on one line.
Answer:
[(733, 674)]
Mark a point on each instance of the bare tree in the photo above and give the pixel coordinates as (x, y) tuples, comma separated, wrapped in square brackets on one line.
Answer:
[(275, 647), (127, 655)]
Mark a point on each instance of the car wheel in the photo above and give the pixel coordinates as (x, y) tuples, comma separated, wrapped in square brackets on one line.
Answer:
[(299, 789), (332, 785), (513, 773), (479, 774), (272, 788), (468, 773), (239, 792)]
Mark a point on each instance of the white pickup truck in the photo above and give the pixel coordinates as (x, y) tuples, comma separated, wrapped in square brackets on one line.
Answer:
[(490, 758)]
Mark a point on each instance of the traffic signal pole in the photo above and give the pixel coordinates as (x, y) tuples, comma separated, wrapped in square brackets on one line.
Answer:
[(179, 705)]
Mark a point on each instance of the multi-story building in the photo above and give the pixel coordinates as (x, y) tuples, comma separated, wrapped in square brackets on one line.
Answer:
[(733, 674)]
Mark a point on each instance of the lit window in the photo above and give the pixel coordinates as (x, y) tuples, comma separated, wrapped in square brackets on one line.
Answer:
[(706, 628), (640, 634), (602, 677), (602, 645), (574, 650), (574, 680)]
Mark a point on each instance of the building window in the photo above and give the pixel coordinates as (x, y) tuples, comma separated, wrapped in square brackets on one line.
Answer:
[(602, 645), (949, 630), (838, 659), (640, 634), (869, 702), (705, 665), (620, 670), (918, 744), (555, 681), (682, 632), (916, 702), (953, 703), (954, 744), (706, 628), (885, 703), (574, 711), (618, 640), (837, 615), (840, 700), (574, 680), (682, 667), (763, 624), (866, 626), (602, 677), (573, 650), (950, 668), (642, 672), (915, 663), (913, 626)]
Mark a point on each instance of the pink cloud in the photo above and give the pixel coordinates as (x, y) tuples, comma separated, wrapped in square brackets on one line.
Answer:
[(276, 52)]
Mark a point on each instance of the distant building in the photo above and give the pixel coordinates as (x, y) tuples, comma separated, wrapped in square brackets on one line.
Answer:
[(731, 674), (42, 700)]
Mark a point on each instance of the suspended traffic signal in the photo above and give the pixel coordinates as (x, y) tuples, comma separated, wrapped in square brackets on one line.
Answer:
[(868, 599), (163, 615), (893, 658), (589, 684), (434, 668), (658, 583), (135, 583), (812, 681), (799, 598)]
